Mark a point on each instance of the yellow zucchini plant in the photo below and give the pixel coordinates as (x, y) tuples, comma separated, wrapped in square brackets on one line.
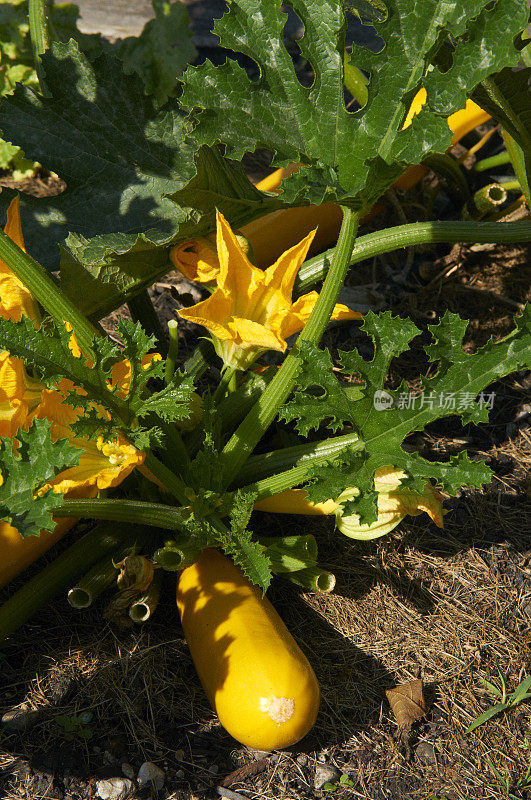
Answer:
[(173, 456)]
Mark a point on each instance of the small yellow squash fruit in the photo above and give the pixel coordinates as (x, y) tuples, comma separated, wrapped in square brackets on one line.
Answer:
[(260, 684)]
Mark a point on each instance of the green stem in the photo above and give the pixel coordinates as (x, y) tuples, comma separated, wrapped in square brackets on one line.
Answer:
[(223, 386), (99, 577), (493, 161), (144, 607), (142, 311), (290, 553), (251, 430), (135, 512), (175, 453), (232, 409), (315, 578), (40, 38), (416, 233), (521, 164), (173, 350), (171, 481), (43, 288), (58, 575), (510, 186), (177, 555), (271, 473)]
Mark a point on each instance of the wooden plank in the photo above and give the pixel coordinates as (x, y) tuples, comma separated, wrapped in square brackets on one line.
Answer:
[(115, 19)]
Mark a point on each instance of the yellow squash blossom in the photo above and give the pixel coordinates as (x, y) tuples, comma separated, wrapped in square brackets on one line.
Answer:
[(251, 310), (197, 259), (101, 464), (393, 504), (15, 299)]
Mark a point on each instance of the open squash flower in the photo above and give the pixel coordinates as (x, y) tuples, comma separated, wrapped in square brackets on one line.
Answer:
[(393, 503), (251, 310)]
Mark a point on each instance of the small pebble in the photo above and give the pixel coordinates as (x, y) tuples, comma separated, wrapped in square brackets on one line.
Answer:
[(325, 773), (150, 773), (128, 770), (179, 755), (425, 753), (179, 773), (213, 769), (302, 759), (114, 788)]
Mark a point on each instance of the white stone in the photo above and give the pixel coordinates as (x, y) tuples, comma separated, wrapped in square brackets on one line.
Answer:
[(325, 773), (114, 788), (150, 773)]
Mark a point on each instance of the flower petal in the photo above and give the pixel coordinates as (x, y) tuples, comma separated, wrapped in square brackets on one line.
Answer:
[(16, 300), (197, 259), (101, 465)]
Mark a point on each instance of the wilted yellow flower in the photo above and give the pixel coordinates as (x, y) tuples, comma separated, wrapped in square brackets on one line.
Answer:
[(16, 300), (251, 310), (393, 505)]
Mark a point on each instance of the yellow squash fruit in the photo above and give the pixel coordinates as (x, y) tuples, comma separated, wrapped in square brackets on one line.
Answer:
[(18, 552), (260, 684)]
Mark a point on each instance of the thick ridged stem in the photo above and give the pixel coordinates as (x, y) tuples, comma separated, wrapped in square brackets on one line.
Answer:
[(253, 427), (132, 511), (169, 479), (274, 464), (144, 607), (40, 38), (416, 233), (58, 575), (43, 288)]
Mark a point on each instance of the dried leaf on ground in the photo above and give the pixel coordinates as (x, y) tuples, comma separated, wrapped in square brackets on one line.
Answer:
[(407, 702)]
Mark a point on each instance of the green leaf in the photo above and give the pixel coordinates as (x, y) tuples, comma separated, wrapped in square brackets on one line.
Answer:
[(35, 460), (486, 46), (238, 543), (223, 185), (48, 351), (488, 714), (118, 155), (507, 97), (353, 156), (172, 403), (383, 419), (161, 52)]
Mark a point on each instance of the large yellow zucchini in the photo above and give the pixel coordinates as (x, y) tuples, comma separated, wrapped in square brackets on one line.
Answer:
[(17, 552), (259, 682)]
